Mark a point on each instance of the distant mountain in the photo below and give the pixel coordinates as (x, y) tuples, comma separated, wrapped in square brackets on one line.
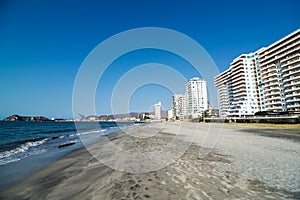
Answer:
[(16, 117), (127, 115)]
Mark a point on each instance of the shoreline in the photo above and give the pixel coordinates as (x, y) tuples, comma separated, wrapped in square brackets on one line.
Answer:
[(78, 175), (18, 168), (16, 171)]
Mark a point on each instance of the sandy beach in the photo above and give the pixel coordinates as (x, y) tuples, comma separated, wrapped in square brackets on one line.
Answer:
[(174, 161)]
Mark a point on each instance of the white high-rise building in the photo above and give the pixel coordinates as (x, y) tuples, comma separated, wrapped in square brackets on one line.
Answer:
[(196, 97), (157, 110), (266, 80), (279, 68), (179, 106), (236, 87), (170, 114)]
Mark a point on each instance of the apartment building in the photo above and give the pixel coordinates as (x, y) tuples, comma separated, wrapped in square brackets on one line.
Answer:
[(222, 82), (266, 80), (279, 66), (237, 89), (179, 106), (157, 111), (196, 97)]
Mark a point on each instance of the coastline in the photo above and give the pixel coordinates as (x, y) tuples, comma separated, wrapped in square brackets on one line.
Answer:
[(15, 171), (78, 175), (19, 155)]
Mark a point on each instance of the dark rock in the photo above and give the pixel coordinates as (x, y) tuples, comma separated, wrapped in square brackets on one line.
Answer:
[(65, 145), (55, 137)]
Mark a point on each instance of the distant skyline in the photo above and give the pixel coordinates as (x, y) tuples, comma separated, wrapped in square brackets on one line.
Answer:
[(43, 43)]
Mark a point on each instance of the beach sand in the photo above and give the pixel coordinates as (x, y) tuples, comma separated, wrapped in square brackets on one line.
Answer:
[(212, 161)]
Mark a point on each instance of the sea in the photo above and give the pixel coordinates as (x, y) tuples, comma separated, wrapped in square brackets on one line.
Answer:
[(28, 146)]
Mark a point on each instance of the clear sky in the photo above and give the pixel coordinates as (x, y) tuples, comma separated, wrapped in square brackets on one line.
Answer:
[(43, 43)]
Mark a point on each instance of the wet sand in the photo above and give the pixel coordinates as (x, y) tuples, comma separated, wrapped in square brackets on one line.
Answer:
[(292, 134), (220, 162)]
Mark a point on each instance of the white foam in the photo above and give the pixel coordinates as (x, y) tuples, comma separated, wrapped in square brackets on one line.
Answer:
[(23, 148), (93, 132)]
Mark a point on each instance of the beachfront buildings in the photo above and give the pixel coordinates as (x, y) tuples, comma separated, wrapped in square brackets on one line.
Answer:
[(170, 114), (157, 111), (237, 90), (266, 80), (196, 97), (193, 103), (279, 66), (179, 106)]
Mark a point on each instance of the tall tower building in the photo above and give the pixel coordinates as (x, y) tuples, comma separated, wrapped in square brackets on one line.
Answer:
[(157, 111), (179, 105), (222, 83), (280, 74), (237, 88), (196, 97)]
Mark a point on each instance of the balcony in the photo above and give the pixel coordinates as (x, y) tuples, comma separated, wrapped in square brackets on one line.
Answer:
[(283, 44), (219, 79), (293, 106), (240, 99), (266, 68), (274, 104), (290, 68), (274, 84), (238, 79), (237, 61), (292, 83), (292, 78), (270, 80), (272, 94), (277, 58), (243, 89), (238, 87), (291, 72), (273, 75), (242, 94), (293, 100), (266, 72), (277, 55), (223, 103), (295, 72), (241, 82), (236, 72), (291, 62), (275, 108), (272, 98), (290, 57), (222, 95), (294, 94), (269, 89), (291, 89)]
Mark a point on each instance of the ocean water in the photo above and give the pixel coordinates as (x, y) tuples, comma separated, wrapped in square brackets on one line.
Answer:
[(26, 147), (19, 140)]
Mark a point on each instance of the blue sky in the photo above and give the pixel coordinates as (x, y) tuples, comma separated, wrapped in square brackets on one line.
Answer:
[(43, 43)]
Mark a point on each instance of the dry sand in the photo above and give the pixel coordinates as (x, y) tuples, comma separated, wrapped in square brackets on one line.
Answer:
[(221, 162)]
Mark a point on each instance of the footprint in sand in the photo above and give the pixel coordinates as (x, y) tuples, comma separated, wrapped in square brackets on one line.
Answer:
[(134, 187), (131, 182)]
